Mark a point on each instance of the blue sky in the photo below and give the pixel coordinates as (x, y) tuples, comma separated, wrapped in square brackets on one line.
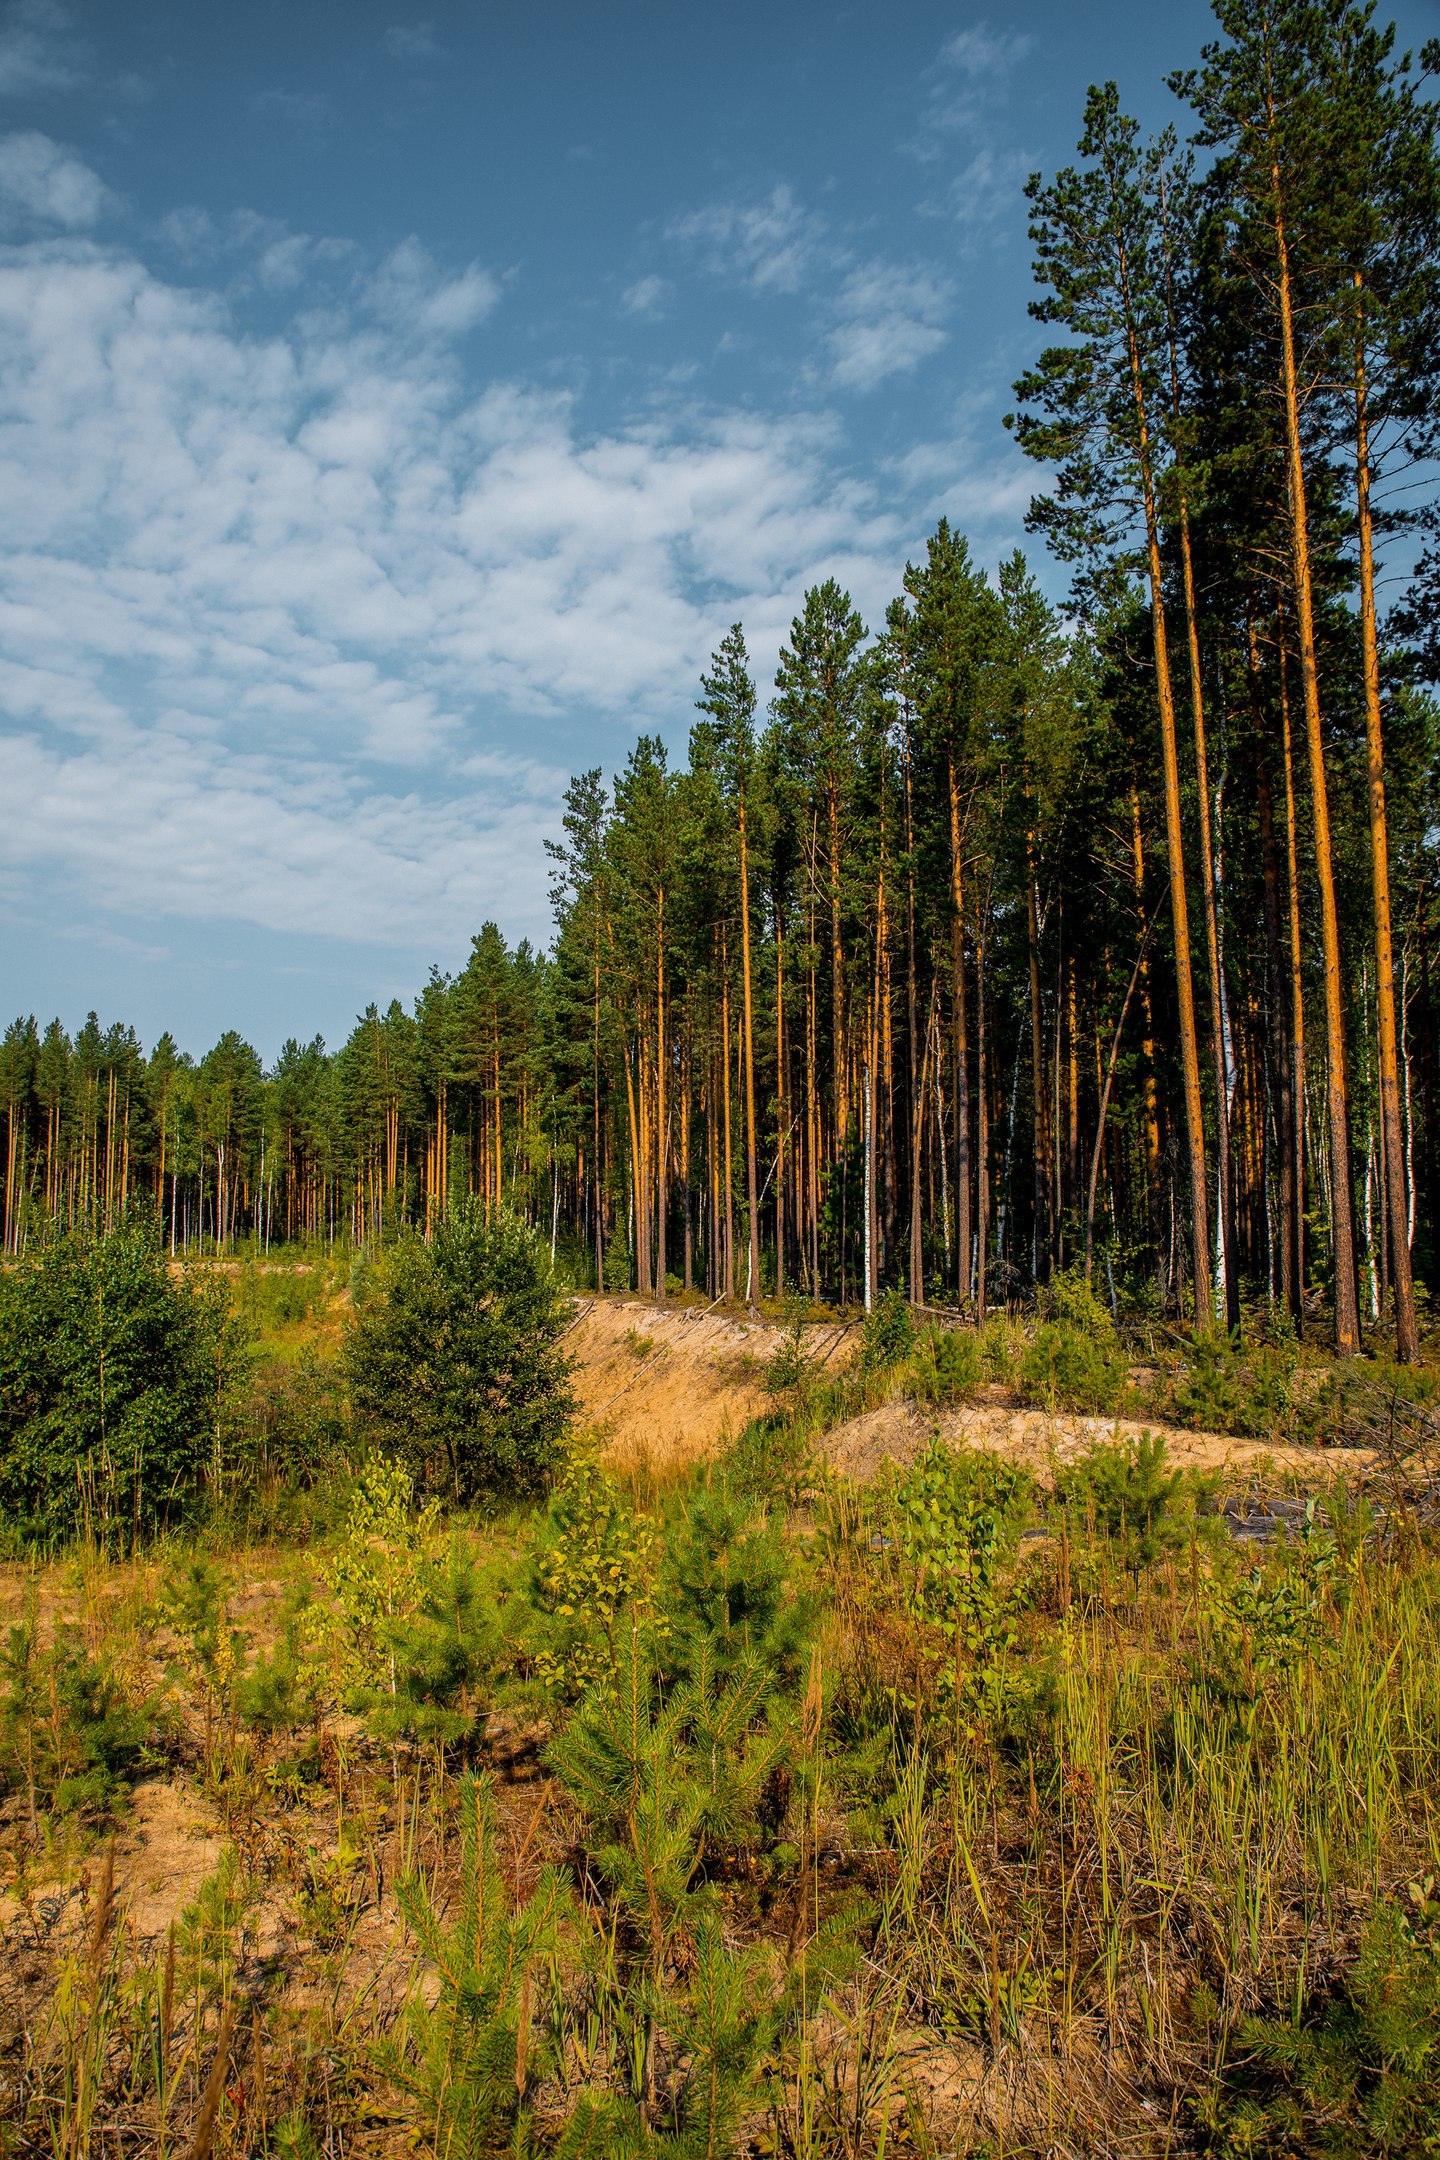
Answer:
[(395, 408)]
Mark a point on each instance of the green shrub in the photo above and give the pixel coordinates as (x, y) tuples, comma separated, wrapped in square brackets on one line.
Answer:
[(954, 1519), (887, 1334), (1271, 1618), (116, 1380), (725, 1597), (1066, 1367), (294, 1427), (948, 1367), (474, 2058), (1126, 1491), (1219, 1386), (1209, 1390), (1357, 2074), (772, 1460), (792, 1369), (1070, 1301), (270, 1296), (592, 1559), (70, 1733), (454, 1360), (1001, 1347)]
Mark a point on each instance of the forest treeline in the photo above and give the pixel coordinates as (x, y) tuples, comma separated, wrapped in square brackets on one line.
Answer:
[(1007, 938)]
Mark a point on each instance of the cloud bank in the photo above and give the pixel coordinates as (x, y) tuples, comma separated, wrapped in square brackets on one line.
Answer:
[(280, 614)]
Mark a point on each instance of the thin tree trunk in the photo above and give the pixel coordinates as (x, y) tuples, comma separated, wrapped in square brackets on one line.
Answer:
[(962, 1053), (1279, 1048), (1179, 903), (1342, 1228), (982, 1120), (781, 1105), (1407, 1337), (662, 1136), (1224, 1198), (1150, 1123), (752, 1272), (1040, 1240), (728, 1179)]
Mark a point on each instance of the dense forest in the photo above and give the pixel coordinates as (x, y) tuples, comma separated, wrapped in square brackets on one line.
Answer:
[(1011, 937)]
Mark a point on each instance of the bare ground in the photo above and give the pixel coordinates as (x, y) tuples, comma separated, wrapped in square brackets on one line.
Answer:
[(663, 1387)]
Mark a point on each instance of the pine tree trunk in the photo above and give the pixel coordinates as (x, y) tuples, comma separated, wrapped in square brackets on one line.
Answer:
[(982, 1120), (962, 1053), (917, 1086), (752, 1271), (662, 1133), (1297, 1001), (1040, 1240), (781, 1105), (727, 1175), (1179, 903), (1225, 1204), (1342, 1227), (1150, 1100), (1407, 1338), (1279, 1048)]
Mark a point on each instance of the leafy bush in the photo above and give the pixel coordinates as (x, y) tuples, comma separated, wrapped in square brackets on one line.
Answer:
[(1126, 1490), (1000, 1349), (454, 1360), (792, 1369), (406, 1638), (948, 1367), (1070, 1301), (1270, 1618), (1066, 1368), (294, 1426), (271, 1296), (116, 1379), (1075, 1361), (592, 1560), (887, 1334), (955, 1517), (1209, 1391)]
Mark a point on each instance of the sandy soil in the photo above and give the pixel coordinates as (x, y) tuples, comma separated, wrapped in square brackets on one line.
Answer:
[(662, 1387), (897, 1430)]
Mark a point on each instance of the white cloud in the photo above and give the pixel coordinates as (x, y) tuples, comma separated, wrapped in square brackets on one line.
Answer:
[(887, 322), (987, 194), (42, 182), (980, 54), (409, 292), (967, 110), (647, 297), (770, 243), (228, 844), (973, 475), (411, 42), (37, 52), (306, 111), (280, 616), (873, 318)]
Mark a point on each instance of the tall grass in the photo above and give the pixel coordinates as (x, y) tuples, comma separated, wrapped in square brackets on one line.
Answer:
[(897, 1829)]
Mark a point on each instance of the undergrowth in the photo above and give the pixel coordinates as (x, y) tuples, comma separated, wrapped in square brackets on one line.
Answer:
[(973, 1809)]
